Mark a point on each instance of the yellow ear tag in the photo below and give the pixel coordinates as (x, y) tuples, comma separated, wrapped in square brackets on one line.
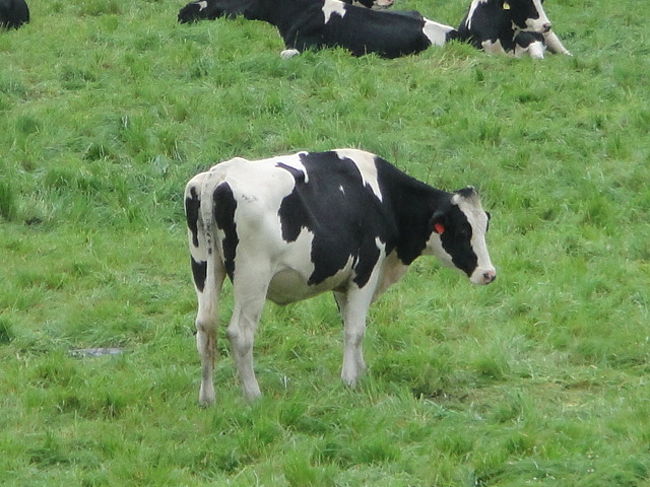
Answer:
[(506, 6)]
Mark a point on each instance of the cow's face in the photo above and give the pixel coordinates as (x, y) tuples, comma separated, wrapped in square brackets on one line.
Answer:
[(458, 236), (528, 15)]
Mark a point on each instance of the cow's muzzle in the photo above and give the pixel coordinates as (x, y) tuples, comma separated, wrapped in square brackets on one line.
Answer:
[(483, 276)]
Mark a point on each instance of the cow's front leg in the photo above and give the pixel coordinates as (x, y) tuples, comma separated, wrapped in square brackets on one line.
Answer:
[(554, 44), (353, 306)]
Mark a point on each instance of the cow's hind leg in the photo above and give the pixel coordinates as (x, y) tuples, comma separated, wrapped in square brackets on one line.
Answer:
[(206, 329), (249, 291)]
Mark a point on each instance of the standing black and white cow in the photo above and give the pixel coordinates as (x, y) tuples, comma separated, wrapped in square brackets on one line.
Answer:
[(316, 24), (13, 13), (518, 27), (290, 227)]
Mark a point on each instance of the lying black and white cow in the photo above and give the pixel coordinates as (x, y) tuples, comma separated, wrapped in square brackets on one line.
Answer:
[(13, 13), (213, 9), (290, 227), (516, 27), (315, 24)]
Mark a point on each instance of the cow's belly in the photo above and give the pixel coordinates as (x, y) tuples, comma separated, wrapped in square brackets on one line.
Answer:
[(288, 286)]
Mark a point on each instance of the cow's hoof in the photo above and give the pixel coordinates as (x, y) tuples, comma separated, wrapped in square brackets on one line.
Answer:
[(289, 53)]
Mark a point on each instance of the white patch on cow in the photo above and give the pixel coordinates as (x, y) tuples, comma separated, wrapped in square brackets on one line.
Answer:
[(478, 220), (535, 50), (291, 160), (333, 7), (365, 162), (289, 53), (493, 47), (435, 32), (341, 189), (202, 5)]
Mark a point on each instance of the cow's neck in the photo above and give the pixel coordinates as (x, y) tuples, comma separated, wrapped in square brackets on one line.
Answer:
[(413, 204)]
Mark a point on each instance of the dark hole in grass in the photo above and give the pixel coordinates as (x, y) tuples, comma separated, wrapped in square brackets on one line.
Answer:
[(6, 333)]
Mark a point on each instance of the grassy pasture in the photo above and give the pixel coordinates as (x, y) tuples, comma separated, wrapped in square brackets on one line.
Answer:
[(107, 108)]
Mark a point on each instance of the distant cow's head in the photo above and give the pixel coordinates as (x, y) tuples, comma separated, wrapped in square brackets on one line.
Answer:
[(195, 11), (458, 236), (372, 3), (528, 15), (211, 9)]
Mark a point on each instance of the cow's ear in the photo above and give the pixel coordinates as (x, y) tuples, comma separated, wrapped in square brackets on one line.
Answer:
[(438, 222)]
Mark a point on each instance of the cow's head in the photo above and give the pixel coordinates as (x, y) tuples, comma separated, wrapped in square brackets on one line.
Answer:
[(195, 11), (211, 9), (528, 15), (371, 3), (458, 235)]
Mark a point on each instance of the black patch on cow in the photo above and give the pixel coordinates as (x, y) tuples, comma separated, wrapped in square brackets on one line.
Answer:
[(192, 206), (13, 13), (389, 34), (342, 213), (410, 204), (521, 10), (199, 271), (224, 205)]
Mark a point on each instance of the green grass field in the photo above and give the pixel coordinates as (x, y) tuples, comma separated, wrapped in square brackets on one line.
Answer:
[(107, 108)]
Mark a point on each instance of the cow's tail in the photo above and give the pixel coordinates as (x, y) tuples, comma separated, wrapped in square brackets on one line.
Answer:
[(200, 226)]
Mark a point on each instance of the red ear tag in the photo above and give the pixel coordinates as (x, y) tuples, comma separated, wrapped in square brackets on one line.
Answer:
[(439, 228)]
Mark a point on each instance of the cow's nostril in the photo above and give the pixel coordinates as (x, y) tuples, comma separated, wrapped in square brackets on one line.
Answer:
[(489, 276)]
